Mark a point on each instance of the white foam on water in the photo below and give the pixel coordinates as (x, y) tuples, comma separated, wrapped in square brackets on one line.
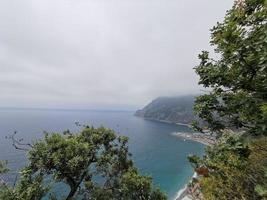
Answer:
[(180, 192)]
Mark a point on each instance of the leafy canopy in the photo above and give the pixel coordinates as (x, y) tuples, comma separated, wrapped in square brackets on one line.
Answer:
[(236, 106), (93, 164), (236, 170), (238, 79)]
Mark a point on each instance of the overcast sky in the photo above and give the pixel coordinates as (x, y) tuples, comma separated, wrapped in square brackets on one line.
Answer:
[(101, 53)]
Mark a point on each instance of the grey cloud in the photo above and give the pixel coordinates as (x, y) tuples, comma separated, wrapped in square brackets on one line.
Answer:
[(95, 53)]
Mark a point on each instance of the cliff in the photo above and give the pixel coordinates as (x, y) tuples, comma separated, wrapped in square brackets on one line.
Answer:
[(177, 109)]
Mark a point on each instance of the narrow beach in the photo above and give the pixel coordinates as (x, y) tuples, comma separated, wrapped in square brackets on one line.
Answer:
[(202, 138)]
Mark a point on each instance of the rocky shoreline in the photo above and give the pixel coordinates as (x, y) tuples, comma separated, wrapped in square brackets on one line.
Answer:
[(202, 138)]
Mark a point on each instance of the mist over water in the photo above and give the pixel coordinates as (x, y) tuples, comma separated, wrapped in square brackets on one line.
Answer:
[(156, 152)]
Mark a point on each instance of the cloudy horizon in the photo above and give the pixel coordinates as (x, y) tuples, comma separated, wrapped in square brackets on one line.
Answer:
[(101, 53)]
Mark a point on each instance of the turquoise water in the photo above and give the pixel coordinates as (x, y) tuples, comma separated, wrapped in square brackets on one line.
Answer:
[(155, 150)]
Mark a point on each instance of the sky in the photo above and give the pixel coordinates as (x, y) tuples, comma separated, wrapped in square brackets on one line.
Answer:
[(109, 54)]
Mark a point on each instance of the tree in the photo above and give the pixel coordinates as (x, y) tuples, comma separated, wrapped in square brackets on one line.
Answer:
[(238, 79), (93, 164), (235, 109), (3, 168), (235, 170)]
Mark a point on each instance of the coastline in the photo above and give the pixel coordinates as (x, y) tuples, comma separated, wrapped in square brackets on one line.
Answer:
[(197, 137), (182, 194), (165, 121), (203, 138)]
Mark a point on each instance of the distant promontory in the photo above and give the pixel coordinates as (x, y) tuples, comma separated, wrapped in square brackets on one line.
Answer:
[(176, 109)]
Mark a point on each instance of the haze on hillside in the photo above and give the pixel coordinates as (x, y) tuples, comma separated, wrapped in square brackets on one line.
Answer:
[(101, 53)]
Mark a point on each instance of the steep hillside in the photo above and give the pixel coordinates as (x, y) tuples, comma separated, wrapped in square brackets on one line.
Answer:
[(171, 109)]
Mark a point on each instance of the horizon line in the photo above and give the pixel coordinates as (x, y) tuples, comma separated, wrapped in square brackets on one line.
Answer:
[(65, 109)]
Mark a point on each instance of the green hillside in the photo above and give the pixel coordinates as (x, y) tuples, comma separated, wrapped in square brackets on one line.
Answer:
[(177, 109)]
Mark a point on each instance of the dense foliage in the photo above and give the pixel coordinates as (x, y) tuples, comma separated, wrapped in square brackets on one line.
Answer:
[(238, 78), (236, 170), (235, 109), (94, 164)]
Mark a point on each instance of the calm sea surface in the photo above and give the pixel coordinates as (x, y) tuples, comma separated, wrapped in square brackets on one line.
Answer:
[(155, 150)]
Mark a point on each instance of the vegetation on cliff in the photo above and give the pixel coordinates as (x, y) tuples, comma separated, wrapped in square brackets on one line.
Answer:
[(178, 109)]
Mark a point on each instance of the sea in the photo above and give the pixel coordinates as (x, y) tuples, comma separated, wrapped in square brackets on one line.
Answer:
[(155, 150)]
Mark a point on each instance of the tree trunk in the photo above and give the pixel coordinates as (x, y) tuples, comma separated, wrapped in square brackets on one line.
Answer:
[(72, 193)]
